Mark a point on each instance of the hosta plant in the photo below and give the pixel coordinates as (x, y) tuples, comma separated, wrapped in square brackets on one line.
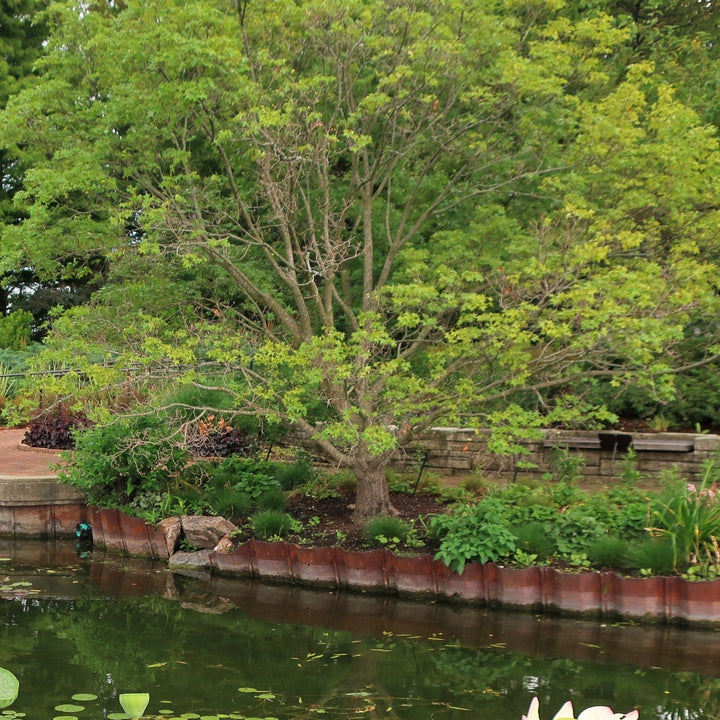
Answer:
[(566, 712)]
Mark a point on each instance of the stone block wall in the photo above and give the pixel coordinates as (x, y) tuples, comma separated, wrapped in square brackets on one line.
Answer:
[(457, 451)]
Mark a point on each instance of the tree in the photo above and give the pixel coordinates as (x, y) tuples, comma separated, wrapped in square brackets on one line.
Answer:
[(399, 196), (20, 47)]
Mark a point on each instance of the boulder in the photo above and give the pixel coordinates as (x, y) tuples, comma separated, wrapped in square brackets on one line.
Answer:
[(199, 559), (171, 529), (205, 532), (225, 545)]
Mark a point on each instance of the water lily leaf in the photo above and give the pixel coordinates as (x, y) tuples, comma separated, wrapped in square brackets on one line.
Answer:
[(190, 715), (134, 704), (166, 712), (68, 708), (116, 716), (9, 688), (266, 696), (158, 664), (247, 690), (84, 697), (66, 717)]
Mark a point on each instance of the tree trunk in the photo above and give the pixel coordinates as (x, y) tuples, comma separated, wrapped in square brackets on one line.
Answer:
[(373, 497)]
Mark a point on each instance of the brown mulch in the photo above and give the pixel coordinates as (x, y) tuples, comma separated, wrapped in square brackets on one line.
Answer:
[(329, 521)]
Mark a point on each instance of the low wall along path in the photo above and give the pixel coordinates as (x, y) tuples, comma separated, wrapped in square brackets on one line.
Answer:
[(32, 502)]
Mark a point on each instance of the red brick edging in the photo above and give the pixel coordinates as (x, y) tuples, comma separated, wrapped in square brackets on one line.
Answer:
[(601, 594)]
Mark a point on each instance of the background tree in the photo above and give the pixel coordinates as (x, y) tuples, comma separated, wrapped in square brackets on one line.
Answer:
[(388, 214)]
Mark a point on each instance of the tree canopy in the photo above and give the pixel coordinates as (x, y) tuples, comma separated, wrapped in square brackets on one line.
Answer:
[(367, 217)]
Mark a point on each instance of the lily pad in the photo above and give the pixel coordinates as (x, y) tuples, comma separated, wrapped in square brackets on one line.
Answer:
[(68, 708), (9, 688), (134, 704), (84, 697)]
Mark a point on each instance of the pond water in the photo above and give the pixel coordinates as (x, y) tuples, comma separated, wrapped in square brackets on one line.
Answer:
[(214, 647)]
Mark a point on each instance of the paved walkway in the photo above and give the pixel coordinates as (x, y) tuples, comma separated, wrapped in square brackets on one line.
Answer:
[(16, 462)]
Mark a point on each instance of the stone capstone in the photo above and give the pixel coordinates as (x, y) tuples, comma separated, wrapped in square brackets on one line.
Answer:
[(205, 532)]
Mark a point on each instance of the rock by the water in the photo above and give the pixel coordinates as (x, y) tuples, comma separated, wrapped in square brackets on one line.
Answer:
[(171, 529), (198, 559), (204, 532), (225, 545)]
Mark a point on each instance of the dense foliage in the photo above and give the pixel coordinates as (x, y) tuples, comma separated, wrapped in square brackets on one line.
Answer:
[(364, 218)]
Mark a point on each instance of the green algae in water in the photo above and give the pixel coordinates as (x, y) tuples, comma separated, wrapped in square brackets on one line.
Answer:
[(220, 665)]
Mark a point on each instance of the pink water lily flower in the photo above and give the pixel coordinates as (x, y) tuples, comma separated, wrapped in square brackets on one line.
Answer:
[(566, 712)]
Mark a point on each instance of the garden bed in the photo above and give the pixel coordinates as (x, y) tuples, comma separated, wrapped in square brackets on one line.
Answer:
[(607, 595)]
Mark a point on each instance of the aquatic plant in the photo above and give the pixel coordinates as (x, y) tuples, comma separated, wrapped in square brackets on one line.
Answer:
[(9, 688), (566, 712), (134, 704)]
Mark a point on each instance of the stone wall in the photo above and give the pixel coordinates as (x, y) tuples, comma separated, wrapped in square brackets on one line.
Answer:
[(453, 451)]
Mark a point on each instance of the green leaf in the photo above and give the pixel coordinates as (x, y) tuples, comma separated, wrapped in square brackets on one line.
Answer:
[(9, 688)]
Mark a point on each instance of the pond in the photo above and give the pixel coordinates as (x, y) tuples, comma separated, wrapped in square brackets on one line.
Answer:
[(74, 626)]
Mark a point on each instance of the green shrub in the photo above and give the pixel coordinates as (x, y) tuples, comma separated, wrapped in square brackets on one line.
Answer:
[(383, 529), (475, 484), (400, 480), (272, 499), (575, 529), (534, 538), (186, 501), (112, 463), (656, 556), (252, 477), (566, 465), (229, 502), (608, 552), (271, 523), (341, 483), (296, 474), (476, 533), (16, 330)]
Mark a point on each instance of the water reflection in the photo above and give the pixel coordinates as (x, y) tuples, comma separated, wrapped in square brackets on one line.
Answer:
[(108, 625)]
